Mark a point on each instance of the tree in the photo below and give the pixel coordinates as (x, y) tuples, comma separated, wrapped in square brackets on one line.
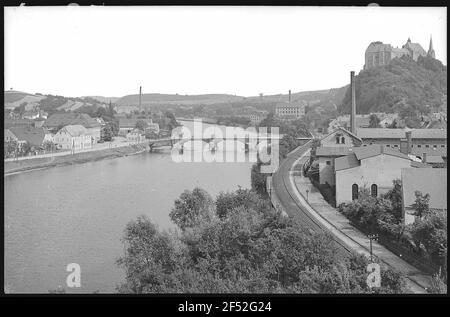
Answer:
[(107, 134), (192, 207), (21, 108), (226, 202), (374, 121), (248, 249), (48, 145), (100, 112), (141, 125), (394, 195), (421, 204), (258, 180), (374, 214), (431, 233), (150, 254), (111, 111)]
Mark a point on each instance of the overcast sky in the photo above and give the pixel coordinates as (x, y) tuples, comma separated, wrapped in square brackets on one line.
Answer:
[(111, 51)]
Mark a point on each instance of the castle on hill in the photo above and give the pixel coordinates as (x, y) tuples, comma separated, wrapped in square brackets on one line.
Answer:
[(378, 54)]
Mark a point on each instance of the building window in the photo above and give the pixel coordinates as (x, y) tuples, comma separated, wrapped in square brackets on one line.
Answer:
[(337, 140), (374, 190), (354, 191), (342, 140), (443, 145), (328, 162), (395, 145), (427, 146), (388, 145), (419, 145)]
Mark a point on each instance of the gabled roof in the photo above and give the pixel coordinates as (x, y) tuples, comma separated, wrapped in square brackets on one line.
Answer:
[(384, 133), (58, 119), (345, 162), (333, 151), (374, 150), (35, 136), (74, 130), (429, 134), (380, 133), (361, 153), (428, 181), (344, 131)]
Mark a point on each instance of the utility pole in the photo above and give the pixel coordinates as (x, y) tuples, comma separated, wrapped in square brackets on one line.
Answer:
[(372, 237)]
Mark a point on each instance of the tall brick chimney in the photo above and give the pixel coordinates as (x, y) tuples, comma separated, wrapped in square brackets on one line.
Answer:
[(353, 113), (140, 99), (289, 95)]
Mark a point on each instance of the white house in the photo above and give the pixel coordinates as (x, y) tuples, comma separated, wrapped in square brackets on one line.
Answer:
[(373, 167), (135, 135), (73, 137)]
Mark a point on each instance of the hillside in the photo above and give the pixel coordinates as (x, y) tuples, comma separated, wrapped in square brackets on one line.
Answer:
[(102, 99), (403, 86), (149, 99), (13, 99)]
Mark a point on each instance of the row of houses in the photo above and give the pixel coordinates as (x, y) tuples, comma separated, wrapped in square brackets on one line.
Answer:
[(70, 130), (374, 158)]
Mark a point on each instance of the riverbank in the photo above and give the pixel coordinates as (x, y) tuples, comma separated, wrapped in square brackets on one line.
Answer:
[(77, 158)]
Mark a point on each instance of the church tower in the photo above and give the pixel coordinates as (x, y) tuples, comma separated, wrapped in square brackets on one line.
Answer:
[(431, 50)]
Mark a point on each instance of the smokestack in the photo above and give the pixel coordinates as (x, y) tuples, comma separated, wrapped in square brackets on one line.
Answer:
[(408, 142), (140, 98), (289, 95), (353, 113)]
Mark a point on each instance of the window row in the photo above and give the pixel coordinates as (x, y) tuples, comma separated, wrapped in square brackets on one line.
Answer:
[(355, 191)]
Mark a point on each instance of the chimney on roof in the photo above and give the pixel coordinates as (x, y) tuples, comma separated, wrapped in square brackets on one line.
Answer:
[(289, 95), (408, 141), (424, 157), (353, 111)]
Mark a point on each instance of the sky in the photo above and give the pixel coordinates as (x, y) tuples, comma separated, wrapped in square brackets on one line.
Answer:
[(111, 51)]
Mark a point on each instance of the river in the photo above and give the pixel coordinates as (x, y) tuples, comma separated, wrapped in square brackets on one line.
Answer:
[(78, 213)]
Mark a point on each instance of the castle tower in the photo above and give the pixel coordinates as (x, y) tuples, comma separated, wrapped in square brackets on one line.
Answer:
[(431, 50)]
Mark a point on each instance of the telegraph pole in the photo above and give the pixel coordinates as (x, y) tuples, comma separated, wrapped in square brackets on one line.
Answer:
[(372, 237)]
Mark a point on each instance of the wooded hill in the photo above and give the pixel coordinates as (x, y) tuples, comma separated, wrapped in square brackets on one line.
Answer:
[(403, 86)]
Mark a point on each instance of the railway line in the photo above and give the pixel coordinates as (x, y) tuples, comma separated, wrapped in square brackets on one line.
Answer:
[(287, 195)]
